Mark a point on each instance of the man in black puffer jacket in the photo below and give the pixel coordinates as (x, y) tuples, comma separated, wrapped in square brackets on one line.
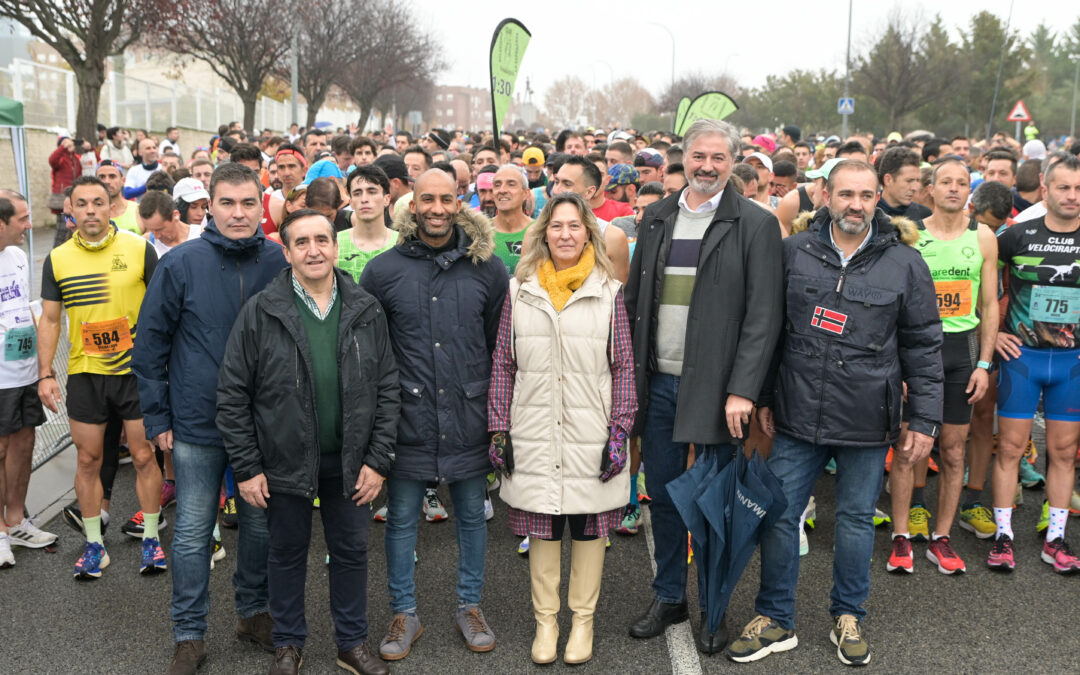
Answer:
[(308, 404), (861, 319)]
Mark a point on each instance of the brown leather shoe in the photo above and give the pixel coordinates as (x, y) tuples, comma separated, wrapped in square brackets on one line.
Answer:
[(187, 657), (287, 661), (257, 630), (360, 660)]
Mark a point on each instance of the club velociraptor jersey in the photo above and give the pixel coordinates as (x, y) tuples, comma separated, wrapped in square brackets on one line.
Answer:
[(102, 291)]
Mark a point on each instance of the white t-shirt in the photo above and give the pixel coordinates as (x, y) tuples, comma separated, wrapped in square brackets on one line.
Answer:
[(1031, 213), (194, 232), (18, 364)]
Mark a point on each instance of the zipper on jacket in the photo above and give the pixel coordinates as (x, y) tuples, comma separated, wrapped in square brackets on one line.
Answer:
[(240, 272), (840, 281)]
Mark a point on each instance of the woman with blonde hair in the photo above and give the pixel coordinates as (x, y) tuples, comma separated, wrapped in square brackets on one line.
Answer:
[(560, 407)]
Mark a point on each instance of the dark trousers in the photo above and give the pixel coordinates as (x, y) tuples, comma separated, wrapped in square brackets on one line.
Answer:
[(345, 527), (577, 527)]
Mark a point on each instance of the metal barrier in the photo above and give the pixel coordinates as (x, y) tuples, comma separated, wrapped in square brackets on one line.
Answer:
[(54, 436)]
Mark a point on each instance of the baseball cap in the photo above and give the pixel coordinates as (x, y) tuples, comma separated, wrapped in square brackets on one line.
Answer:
[(622, 174), (766, 142), (1035, 149), (894, 137), (619, 136), (825, 169), (394, 166), (322, 168), (762, 157), (190, 190), (533, 157), (649, 157)]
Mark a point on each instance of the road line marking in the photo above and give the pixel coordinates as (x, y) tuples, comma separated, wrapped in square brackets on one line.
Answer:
[(680, 638)]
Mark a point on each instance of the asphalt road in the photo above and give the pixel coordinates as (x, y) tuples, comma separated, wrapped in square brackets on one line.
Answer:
[(980, 622)]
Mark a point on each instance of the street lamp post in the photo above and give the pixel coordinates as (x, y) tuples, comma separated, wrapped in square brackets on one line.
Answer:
[(672, 36), (847, 71), (1076, 81)]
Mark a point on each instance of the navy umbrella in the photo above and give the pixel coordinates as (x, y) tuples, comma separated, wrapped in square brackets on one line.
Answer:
[(740, 502)]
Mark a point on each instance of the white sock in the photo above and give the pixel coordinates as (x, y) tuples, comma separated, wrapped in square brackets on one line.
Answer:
[(896, 534), (1003, 518), (1057, 523), (104, 517)]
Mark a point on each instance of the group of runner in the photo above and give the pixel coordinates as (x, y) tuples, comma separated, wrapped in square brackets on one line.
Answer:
[(1007, 286)]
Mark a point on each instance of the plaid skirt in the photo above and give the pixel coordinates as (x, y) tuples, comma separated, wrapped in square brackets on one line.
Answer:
[(529, 524)]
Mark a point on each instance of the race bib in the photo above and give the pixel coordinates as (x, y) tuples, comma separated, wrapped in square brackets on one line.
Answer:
[(953, 298), (103, 338), (20, 343), (1055, 304)]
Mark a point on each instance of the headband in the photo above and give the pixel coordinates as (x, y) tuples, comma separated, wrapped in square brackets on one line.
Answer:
[(295, 153)]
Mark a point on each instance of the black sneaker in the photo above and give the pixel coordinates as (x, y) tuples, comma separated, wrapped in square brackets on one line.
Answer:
[(229, 517), (136, 526), (72, 515), (761, 637)]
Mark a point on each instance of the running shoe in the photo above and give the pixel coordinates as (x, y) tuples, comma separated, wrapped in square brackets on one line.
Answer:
[(7, 558), (73, 517), (1018, 498), (607, 542), (880, 518), (229, 517), (168, 494), (851, 646), (93, 560), (978, 520), (631, 520), (642, 496), (810, 513), (901, 559), (489, 509), (761, 637), (136, 526), (315, 503), (217, 553), (830, 468), (1044, 519), (124, 455), (1031, 453), (804, 543), (492, 481), (1001, 554), (153, 558), (380, 515), (28, 535), (888, 460), (523, 547), (1057, 553), (1074, 504), (941, 553), (1029, 477), (433, 507), (919, 523), (931, 466)]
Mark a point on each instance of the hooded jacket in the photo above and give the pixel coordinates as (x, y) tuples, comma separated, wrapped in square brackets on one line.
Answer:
[(443, 309), (190, 306), (853, 335), (266, 391)]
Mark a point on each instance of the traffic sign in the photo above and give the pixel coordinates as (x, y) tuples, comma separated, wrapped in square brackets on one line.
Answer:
[(1019, 113), (845, 106)]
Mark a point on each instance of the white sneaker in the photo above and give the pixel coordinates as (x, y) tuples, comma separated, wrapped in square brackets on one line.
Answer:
[(804, 543), (434, 511), (27, 534), (7, 558), (380, 515), (218, 553), (489, 509)]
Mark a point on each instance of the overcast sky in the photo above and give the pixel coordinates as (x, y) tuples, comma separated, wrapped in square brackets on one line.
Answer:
[(750, 40)]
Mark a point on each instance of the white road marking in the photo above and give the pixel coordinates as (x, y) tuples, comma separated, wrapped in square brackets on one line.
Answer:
[(680, 639)]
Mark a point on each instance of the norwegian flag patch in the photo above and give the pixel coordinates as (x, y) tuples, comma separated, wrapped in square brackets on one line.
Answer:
[(829, 320)]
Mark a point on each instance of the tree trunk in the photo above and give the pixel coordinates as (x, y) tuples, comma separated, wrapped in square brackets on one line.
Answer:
[(314, 104), (365, 113), (89, 80), (249, 100)]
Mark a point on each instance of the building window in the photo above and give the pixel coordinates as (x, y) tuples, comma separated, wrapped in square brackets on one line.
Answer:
[(449, 97)]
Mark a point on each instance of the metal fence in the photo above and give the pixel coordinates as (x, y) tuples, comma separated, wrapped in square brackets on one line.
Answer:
[(49, 97), (54, 436)]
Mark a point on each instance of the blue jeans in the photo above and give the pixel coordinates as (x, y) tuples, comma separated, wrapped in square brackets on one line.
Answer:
[(665, 460), (199, 471), (859, 474), (404, 499)]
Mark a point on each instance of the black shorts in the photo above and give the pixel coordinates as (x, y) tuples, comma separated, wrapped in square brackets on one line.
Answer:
[(959, 357), (20, 407), (91, 397)]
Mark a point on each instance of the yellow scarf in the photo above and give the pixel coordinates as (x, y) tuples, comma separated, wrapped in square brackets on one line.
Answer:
[(561, 285), (95, 245)]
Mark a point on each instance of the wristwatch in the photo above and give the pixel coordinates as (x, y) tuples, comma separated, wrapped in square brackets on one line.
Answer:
[(985, 365)]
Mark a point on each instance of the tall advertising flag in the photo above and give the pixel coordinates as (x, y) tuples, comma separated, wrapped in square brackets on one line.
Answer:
[(680, 113), (507, 49), (713, 105)]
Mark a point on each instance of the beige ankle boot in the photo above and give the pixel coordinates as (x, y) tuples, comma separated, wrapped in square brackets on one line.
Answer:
[(586, 570), (544, 570)]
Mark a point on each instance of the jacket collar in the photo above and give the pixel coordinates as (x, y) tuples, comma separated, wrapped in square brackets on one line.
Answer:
[(235, 246), (475, 237), (278, 298), (727, 209)]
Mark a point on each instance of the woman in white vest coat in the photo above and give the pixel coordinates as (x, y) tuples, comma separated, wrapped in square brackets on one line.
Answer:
[(560, 405)]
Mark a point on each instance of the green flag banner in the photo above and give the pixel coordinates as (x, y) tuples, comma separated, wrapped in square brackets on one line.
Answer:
[(508, 46), (714, 105), (680, 113)]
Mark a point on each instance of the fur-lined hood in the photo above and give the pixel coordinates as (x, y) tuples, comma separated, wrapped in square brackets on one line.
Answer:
[(475, 225), (906, 230)]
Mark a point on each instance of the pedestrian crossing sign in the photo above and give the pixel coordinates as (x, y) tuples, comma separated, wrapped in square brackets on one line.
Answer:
[(846, 106)]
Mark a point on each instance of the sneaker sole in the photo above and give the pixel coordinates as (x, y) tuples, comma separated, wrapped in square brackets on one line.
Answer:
[(774, 648), (76, 523), (397, 657), (894, 568), (436, 519), (934, 559), (474, 648), (964, 525), (1001, 567), (153, 570), (1050, 561), (90, 576), (840, 654)]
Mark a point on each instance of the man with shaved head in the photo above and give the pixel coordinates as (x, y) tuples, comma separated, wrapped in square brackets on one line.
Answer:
[(445, 257)]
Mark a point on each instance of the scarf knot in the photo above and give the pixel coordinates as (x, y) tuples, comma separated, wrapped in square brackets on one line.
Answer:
[(561, 284)]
